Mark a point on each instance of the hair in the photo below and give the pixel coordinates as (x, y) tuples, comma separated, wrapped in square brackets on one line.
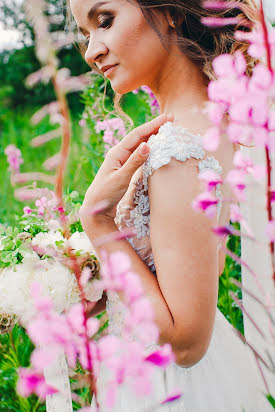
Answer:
[(199, 42)]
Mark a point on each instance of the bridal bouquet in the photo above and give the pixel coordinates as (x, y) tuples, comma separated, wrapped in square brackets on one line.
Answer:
[(38, 252)]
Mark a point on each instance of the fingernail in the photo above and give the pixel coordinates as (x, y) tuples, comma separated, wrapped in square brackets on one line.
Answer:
[(144, 149)]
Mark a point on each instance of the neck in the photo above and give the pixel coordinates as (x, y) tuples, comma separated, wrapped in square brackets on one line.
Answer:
[(180, 88)]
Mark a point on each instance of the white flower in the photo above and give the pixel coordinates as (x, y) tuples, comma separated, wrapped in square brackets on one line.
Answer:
[(53, 225), (80, 241), (56, 281), (47, 240)]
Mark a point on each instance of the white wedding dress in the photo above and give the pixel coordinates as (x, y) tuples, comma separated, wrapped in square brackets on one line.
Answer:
[(225, 379)]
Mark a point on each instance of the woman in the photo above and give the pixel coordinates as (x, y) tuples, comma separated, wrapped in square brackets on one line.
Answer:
[(150, 179)]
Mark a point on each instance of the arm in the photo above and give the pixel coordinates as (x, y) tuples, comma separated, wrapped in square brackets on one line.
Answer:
[(185, 251), (184, 293)]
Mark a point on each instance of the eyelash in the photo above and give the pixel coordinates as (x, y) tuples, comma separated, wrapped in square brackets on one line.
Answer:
[(107, 20), (103, 25)]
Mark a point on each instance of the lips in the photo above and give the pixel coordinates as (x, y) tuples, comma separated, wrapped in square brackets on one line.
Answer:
[(108, 72), (105, 68)]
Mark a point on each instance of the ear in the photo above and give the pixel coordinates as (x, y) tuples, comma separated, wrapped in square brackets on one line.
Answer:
[(170, 18), (173, 18)]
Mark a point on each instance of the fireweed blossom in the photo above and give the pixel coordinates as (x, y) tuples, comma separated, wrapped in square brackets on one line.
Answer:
[(152, 101), (124, 355), (247, 100), (14, 157), (113, 129)]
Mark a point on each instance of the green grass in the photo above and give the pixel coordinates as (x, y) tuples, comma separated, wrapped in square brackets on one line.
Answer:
[(15, 348), (16, 128)]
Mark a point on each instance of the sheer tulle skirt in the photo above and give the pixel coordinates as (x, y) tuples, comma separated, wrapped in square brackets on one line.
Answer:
[(225, 380)]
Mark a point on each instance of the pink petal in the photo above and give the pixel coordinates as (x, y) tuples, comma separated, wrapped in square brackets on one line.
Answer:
[(42, 358), (211, 139), (176, 394), (162, 357), (270, 231)]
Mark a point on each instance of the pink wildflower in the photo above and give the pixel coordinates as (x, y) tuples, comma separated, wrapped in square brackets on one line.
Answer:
[(27, 210), (205, 202), (41, 204), (236, 178), (33, 382), (211, 179), (14, 158), (211, 139), (163, 357), (152, 99)]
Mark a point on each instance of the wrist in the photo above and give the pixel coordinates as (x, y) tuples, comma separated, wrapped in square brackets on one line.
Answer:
[(96, 225)]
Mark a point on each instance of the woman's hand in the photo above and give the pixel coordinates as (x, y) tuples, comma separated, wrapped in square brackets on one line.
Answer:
[(115, 173)]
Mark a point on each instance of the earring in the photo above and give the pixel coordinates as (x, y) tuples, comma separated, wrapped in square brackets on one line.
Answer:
[(174, 23)]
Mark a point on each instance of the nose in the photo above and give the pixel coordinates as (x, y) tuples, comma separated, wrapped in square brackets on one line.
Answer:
[(96, 49)]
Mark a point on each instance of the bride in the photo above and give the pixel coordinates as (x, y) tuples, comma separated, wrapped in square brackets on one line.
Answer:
[(150, 180)]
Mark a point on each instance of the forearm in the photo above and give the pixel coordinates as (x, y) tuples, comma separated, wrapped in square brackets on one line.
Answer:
[(163, 316)]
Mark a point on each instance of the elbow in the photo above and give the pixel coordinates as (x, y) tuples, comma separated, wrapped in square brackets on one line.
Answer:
[(190, 355), (187, 359)]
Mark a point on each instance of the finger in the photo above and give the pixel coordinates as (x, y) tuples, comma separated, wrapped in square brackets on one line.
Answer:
[(137, 158), (143, 132)]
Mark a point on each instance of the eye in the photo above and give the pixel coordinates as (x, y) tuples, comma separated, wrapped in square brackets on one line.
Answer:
[(86, 41), (106, 21)]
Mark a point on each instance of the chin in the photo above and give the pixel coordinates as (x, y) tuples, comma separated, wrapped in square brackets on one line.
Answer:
[(123, 87)]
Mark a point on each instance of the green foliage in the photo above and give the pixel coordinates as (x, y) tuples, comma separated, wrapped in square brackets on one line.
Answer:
[(11, 247), (232, 269), (16, 65)]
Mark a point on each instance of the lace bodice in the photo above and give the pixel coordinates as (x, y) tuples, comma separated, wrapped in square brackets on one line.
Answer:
[(134, 208)]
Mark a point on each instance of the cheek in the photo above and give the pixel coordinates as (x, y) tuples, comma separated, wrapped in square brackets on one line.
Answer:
[(137, 46)]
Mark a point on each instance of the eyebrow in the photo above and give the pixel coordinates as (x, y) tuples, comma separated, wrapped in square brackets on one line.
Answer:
[(93, 10), (95, 7)]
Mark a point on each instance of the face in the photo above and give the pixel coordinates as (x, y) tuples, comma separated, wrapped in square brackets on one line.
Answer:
[(118, 34)]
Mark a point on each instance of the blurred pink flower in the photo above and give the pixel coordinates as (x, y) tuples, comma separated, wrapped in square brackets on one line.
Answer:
[(235, 213), (27, 210), (173, 396), (207, 203), (236, 179), (211, 179), (52, 162), (152, 99), (41, 204), (163, 357), (14, 157), (270, 231), (31, 381), (212, 4), (211, 139)]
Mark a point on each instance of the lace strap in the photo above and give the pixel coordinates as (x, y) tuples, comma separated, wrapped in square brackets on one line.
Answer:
[(178, 143), (171, 142)]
